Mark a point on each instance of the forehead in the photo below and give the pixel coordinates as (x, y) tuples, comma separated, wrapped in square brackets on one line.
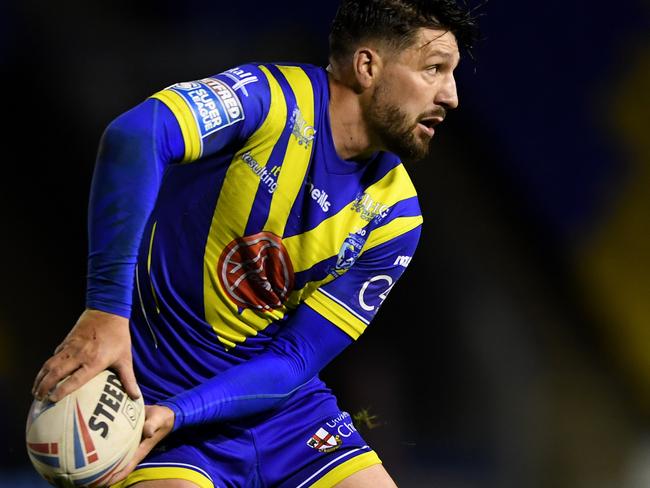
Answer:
[(433, 42)]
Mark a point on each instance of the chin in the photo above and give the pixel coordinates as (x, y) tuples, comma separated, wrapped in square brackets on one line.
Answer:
[(408, 145)]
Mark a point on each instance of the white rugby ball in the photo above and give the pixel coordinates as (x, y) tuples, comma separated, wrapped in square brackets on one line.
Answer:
[(83, 439)]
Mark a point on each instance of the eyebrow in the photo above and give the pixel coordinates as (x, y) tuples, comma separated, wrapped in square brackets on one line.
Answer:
[(438, 52)]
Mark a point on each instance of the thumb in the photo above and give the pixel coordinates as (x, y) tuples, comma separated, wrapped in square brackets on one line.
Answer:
[(127, 378), (150, 428), (155, 421)]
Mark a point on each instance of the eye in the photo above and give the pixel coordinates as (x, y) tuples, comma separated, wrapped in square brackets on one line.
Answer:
[(433, 69)]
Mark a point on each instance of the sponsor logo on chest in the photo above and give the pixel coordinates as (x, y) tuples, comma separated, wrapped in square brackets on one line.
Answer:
[(256, 272), (301, 130), (349, 252), (369, 208), (319, 196), (269, 178)]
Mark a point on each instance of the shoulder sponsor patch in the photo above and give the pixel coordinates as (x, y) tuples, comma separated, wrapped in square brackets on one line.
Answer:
[(214, 104)]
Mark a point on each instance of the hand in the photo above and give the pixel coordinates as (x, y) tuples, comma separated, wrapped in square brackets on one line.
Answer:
[(159, 421), (98, 341)]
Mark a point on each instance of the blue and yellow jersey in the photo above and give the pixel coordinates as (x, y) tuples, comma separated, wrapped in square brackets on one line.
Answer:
[(260, 216)]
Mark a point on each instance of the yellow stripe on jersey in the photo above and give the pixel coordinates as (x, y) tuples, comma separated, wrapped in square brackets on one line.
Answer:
[(186, 121), (153, 292), (297, 296), (340, 316), (229, 222), (322, 242), (298, 154), (394, 228), (325, 240)]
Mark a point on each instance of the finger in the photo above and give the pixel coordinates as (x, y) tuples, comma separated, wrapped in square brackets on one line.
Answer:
[(155, 428), (127, 377), (39, 377), (78, 378), (143, 449), (53, 371)]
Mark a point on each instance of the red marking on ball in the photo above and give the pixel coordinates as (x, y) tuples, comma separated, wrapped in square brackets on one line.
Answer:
[(40, 447), (256, 272), (85, 434)]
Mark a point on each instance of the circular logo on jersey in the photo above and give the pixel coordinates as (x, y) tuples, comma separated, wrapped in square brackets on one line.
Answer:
[(187, 85), (256, 271)]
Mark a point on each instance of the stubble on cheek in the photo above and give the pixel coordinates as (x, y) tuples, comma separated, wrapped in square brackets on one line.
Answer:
[(395, 129)]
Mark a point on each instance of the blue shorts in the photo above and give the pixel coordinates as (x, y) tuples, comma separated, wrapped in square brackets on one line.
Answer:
[(308, 441)]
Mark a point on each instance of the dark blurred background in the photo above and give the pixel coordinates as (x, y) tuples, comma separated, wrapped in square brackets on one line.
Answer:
[(516, 350)]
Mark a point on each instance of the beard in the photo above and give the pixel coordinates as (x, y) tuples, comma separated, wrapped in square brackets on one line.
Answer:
[(395, 128)]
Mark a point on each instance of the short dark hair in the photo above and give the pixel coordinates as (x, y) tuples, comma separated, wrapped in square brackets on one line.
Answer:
[(396, 22)]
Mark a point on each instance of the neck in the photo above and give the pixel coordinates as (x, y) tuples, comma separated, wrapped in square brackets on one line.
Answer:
[(349, 129)]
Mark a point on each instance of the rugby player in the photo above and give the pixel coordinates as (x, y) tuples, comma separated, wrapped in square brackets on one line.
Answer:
[(244, 229)]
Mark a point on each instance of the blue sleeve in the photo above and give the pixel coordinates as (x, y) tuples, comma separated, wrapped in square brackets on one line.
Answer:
[(300, 350), (179, 124), (134, 151)]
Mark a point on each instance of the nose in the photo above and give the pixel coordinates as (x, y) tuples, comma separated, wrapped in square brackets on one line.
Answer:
[(447, 95)]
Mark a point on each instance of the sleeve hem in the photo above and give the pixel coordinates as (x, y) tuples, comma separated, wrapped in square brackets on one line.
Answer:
[(178, 415), (116, 309)]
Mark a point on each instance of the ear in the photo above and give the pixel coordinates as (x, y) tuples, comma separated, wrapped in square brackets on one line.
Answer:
[(367, 66)]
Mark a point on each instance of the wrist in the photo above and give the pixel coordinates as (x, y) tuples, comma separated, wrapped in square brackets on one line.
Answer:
[(175, 415)]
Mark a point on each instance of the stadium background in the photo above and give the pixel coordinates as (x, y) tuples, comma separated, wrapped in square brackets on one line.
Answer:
[(515, 351)]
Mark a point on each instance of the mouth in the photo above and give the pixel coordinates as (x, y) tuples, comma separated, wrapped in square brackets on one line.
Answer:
[(428, 124)]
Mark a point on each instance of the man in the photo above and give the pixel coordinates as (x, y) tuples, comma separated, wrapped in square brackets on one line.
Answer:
[(259, 218)]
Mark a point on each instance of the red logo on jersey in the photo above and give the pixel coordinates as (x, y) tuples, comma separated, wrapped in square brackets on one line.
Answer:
[(256, 271)]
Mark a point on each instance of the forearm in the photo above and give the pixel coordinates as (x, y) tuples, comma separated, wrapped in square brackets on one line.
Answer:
[(298, 353), (255, 386)]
